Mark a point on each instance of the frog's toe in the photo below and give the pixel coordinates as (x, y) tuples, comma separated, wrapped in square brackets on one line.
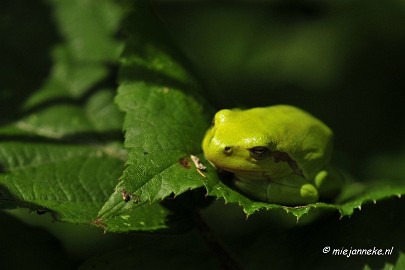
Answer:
[(309, 193)]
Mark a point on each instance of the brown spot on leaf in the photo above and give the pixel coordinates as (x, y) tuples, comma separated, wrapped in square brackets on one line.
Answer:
[(185, 163)]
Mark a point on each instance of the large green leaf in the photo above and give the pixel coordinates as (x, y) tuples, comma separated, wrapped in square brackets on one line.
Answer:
[(55, 159), (63, 152), (353, 196), (165, 121)]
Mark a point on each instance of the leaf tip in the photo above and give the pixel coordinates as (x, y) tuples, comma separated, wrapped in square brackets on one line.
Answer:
[(98, 222)]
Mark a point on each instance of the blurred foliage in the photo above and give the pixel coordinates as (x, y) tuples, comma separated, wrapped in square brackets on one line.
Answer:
[(340, 60)]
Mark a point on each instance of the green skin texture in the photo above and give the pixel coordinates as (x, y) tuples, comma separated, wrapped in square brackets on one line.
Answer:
[(294, 170)]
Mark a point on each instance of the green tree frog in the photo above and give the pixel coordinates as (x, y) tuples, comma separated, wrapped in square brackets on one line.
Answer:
[(278, 154)]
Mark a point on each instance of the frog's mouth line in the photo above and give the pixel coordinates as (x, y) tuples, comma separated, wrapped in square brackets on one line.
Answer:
[(278, 157), (233, 170)]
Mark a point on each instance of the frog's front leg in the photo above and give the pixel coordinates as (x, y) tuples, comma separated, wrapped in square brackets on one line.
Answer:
[(288, 190), (329, 183)]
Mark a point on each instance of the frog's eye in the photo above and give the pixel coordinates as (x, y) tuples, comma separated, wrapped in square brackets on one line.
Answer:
[(259, 152), (228, 150)]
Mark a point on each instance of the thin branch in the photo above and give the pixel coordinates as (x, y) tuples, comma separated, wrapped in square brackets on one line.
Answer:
[(215, 245)]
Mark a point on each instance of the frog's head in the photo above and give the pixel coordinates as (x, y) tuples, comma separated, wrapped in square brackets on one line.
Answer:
[(238, 143)]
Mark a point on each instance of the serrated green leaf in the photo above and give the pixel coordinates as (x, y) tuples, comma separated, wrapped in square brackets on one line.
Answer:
[(55, 160), (148, 217), (63, 153), (365, 193), (165, 121), (320, 244)]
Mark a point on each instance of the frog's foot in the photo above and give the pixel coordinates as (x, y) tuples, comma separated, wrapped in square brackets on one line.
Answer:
[(289, 190), (309, 193)]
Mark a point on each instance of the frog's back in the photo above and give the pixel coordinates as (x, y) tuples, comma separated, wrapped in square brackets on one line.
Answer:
[(296, 132)]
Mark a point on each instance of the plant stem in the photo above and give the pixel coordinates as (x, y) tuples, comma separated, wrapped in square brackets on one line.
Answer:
[(215, 245)]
